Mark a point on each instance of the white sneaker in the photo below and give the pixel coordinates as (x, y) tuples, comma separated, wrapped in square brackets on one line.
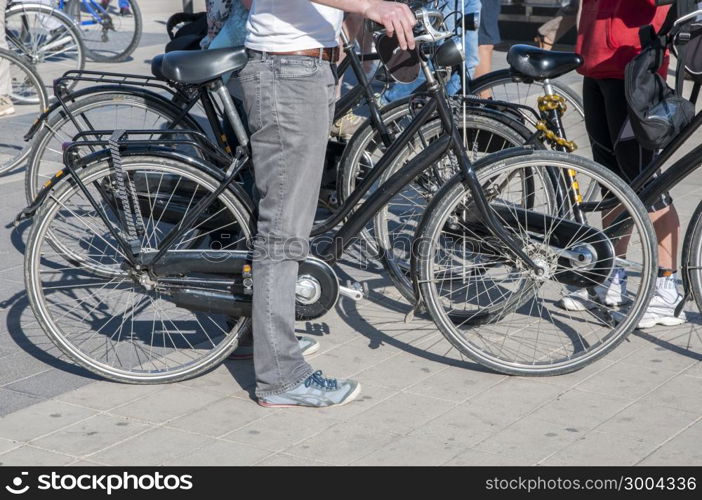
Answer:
[(611, 293), (6, 106), (661, 309)]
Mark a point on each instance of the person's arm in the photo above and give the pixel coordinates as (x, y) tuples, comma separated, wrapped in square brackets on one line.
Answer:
[(397, 17), (246, 4)]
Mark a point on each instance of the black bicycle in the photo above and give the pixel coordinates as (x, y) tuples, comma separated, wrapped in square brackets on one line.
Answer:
[(162, 290)]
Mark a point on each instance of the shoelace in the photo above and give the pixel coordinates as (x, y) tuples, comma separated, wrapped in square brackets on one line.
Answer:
[(318, 379)]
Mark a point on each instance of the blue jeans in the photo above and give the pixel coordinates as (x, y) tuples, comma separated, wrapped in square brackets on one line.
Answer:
[(401, 90)]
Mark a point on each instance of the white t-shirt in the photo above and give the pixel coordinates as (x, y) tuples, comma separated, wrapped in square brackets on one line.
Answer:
[(287, 25)]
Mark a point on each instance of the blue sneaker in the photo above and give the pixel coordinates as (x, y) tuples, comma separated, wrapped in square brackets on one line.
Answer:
[(316, 392), (244, 350)]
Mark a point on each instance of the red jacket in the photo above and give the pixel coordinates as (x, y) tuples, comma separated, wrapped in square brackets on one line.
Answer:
[(608, 34)]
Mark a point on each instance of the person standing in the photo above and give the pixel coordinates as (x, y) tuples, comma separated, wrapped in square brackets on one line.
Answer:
[(289, 88), (449, 9), (488, 37), (608, 39), (552, 31), (6, 106)]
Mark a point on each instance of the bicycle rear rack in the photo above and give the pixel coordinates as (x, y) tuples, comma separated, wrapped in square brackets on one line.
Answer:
[(61, 84)]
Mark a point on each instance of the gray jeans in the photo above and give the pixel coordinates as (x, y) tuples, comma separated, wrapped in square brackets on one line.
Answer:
[(289, 101)]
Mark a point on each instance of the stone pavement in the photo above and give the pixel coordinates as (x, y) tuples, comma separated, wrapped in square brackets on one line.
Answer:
[(421, 403)]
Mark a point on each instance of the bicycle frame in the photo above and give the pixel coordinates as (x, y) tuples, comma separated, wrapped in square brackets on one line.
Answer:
[(345, 235)]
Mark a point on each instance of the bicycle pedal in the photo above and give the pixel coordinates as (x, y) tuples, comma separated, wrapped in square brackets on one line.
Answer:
[(354, 291)]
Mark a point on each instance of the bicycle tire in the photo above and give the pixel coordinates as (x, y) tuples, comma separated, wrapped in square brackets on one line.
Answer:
[(90, 37), (692, 255), (71, 55), (569, 345), (122, 357), (94, 99), (22, 98)]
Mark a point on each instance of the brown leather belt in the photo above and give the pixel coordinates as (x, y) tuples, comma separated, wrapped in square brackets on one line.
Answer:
[(327, 54)]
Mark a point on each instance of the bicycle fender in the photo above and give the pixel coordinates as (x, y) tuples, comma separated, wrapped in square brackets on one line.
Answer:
[(103, 155)]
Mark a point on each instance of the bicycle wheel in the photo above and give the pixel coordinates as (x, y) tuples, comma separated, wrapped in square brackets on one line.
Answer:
[(692, 255), (110, 34), (503, 87), (123, 324), (29, 99), (103, 108), (395, 225), (363, 151), (463, 270), (46, 38)]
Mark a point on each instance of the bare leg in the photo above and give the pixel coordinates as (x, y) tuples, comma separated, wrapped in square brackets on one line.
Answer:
[(484, 66)]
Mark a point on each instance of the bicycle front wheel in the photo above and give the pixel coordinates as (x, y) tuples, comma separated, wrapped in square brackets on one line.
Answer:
[(112, 317), (510, 317), (110, 33)]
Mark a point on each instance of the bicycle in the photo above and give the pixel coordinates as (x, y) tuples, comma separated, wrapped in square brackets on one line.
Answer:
[(45, 37), (110, 34), (29, 97), (144, 215)]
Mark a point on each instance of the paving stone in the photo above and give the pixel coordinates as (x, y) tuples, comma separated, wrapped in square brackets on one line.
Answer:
[(414, 450), (683, 449), (49, 383), (681, 392), (529, 440), (579, 410), (602, 448), (656, 423), (221, 453), (105, 395), (91, 435), (403, 413), (167, 404), (154, 447), (7, 444), (41, 419), (476, 458), (31, 456), (286, 460), (228, 379), (455, 384), (349, 359), (343, 443), (626, 381), (282, 429), (220, 417), (12, 401), (401, 372)]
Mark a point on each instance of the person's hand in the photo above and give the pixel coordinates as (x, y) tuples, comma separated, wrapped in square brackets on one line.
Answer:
[(397, 18)]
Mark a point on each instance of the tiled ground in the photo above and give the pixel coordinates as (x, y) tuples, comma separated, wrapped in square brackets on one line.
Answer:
[(421, 403)]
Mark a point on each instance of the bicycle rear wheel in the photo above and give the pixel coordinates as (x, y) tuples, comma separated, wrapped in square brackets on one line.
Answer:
[(502, 86), (121, 322), (29, 99), (104, 108), (110, 34), (506, 316)]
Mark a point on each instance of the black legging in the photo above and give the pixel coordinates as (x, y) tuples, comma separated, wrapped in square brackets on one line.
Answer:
[(613, 143)]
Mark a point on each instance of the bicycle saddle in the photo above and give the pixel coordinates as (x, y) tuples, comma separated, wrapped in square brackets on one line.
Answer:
[(198, 66), (540, 64)]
